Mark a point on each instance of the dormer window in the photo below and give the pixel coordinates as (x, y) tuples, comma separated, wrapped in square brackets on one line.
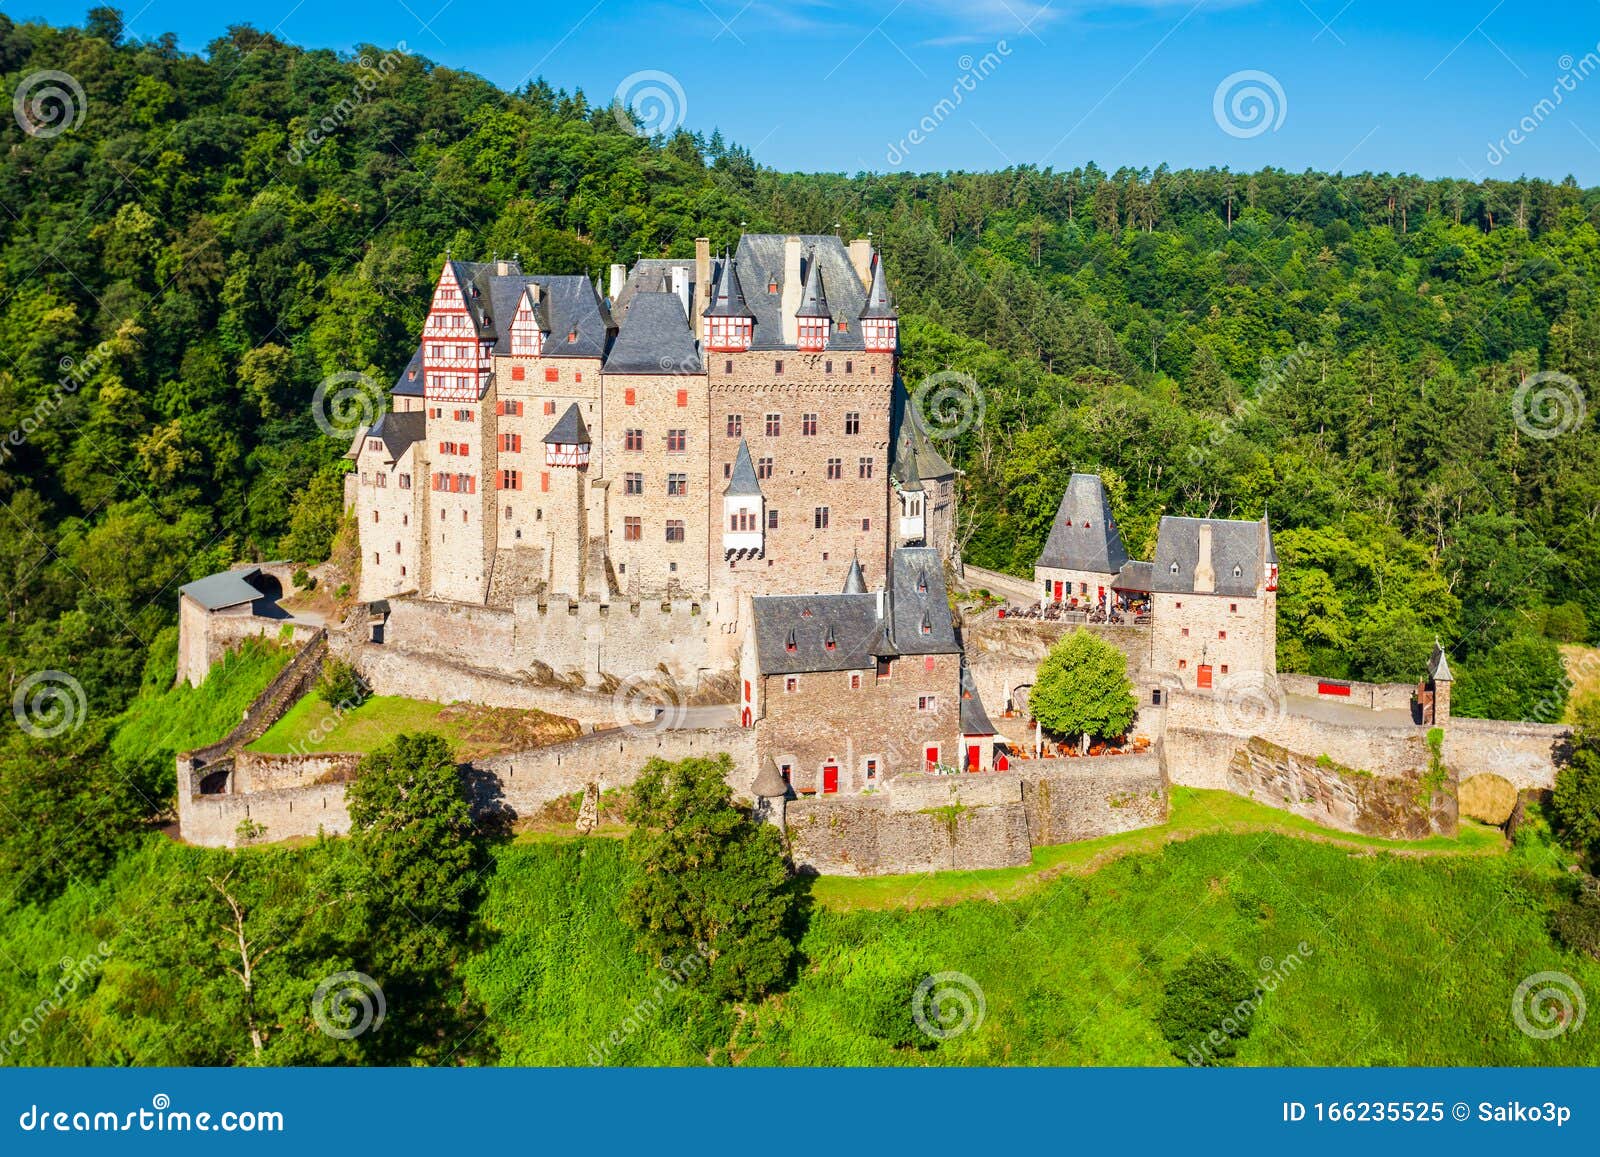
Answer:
[(772, 287), (813, 333), (1237, 570), (572, 335), (789, 643), (1173, 568), (829, 641), (927, 626)]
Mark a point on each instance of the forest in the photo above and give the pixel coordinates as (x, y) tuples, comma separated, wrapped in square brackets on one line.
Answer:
[(1394, 368)]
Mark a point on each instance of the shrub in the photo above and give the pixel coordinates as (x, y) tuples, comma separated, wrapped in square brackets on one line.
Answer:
[(1577, 923), (342, 685), (887, 1009), (1575, 803), (1206, 1008), (1566, 623)]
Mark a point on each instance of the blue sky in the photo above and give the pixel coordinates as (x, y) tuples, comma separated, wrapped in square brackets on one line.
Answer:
[(1441, 89)]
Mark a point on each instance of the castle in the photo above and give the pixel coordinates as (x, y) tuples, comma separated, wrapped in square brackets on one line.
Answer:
[(709, 481), (710, 429)]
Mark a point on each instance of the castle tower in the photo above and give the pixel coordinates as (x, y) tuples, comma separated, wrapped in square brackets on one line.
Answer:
[(564, 482), (744, 511)]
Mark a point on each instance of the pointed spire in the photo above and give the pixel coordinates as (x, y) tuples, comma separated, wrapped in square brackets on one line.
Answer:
[(727, 294), (742, 481), (879, 303), (1439, 664), (814, 299), (569, 429), (855, 583)]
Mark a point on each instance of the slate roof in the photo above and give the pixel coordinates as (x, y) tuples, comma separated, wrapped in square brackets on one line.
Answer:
[(655, 338), (399, 431), (768, 783), (409, 384), (743, 480), (1134, 576), (569, 429), (814, 297), (879, 303), (1084, 536), (227, 588), (914, 455), (914, 598), (855, 583), (1234, 544), (760, 257), (1439, 665), (567, 304), (652, 275), (974, 719), (727, 292), (473, 277)]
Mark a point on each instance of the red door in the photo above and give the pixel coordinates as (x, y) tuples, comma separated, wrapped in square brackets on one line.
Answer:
[(972, 757), (830, 778), (931, 755), (1204, 675), (1058, 592)]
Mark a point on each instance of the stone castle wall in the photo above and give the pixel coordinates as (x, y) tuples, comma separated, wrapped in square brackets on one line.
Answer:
[(1410, 805), (518, 785), (1079, 799), (582, 641), (1004, 654), (1528, 754), (1374, 696)]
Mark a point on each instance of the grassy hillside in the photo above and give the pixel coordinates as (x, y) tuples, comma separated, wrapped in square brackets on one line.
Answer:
[(1396, 960)]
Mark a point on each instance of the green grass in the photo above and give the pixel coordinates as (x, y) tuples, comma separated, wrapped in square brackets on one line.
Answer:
[(312, 725), (166, 719), (1194, 812), (1398, 959)]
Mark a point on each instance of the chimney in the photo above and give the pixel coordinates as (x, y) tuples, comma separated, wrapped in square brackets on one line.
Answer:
[(861, 260), (680, 286), (702, 284), (1205, 577), (502, 269), (619, 274), (793, 286)]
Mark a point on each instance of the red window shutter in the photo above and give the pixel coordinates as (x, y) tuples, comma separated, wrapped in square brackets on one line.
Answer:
[(500, 408), (552, 374), (518, 373), (627, 396), (544, 480), (927, 663), (549, 407), (472, 484), (683, 397), (578, 376)]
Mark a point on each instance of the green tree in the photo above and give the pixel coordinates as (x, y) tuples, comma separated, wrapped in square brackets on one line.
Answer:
[(707, 877), (314, 518), (1575, 804), (1521, 677), (1206, 1008), (1082, 690)]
